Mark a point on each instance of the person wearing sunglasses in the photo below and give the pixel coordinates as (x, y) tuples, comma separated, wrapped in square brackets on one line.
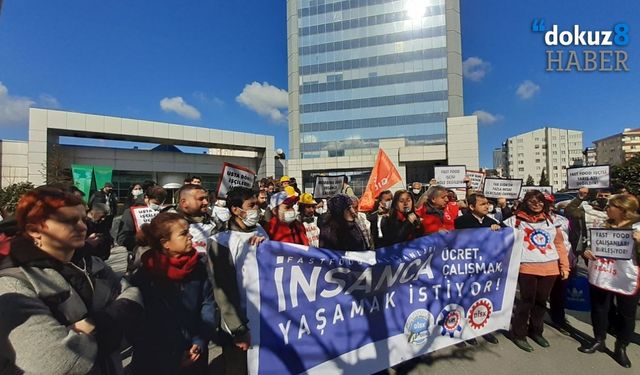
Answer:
[(544, 258)]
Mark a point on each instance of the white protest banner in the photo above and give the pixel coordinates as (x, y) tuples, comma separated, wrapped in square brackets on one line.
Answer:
[(498, 187), (594, 177), (476, 178), (232, 176), (327, 186), (612, 243), (451, 176), (142, 215), (544, 189), (615, 275)]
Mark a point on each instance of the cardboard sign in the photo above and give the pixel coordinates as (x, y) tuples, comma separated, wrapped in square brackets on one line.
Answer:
[(327, 186), (594, 177), (612, 243), (543, 189), (142, 215), (450, 176), (232, 176), (476, 178), (498, 187)]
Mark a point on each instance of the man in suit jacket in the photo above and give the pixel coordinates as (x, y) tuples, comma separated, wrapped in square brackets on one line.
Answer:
[(477, 217)]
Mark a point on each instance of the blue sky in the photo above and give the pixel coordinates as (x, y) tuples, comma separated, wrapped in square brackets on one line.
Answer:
[(222, 64)]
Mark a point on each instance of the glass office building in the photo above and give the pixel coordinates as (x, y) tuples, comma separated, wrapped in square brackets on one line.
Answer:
[(361, 71)]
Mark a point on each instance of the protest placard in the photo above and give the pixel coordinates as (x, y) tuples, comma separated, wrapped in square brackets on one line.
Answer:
[(593, 177), (498, 187), (142, 215), (327, 186), (232, 176), (450, 176), (476, 178), (612, 243)]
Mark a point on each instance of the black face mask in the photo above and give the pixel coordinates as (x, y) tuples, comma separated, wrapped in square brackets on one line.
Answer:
[(602, 202)]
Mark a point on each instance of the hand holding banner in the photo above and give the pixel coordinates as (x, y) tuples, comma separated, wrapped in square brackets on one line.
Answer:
[(319, 311)]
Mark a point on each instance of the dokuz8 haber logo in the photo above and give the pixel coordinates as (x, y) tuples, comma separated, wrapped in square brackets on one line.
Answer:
[(598, 50)]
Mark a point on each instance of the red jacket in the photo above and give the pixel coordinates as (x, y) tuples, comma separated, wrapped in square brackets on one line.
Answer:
[(431, 221), (451, 212), (283, 232)]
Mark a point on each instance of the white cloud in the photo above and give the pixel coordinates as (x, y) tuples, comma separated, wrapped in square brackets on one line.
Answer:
[(527, 90), (48, 101), (475, 69), (485, 117), (204, 98), (14, 110), (180, 107), (266, 100)]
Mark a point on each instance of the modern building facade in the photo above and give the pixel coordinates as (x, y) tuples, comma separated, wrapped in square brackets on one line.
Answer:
[(550, 150), (365, 74), (165, 163), (618, 148)]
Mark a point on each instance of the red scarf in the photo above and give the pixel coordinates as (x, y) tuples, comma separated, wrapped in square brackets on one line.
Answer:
[(535, 218), (161, 265)]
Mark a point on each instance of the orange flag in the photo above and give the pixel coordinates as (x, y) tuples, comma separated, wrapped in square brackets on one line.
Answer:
[(383, 176)]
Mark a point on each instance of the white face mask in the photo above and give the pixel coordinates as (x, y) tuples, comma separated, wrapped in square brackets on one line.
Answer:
[(222, 213), (155, 207), (490, 208), (387, 204), (289, 216), (136, 192), (321, 211), (251, 219), (416, 191)]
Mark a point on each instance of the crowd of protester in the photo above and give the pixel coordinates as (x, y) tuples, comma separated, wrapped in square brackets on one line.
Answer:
[(177, 289)]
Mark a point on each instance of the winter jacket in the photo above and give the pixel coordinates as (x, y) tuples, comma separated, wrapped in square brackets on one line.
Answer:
[(398, 229), (432, 219), (227, 250), (345, 236), (178, 314), (40, 297), (283, 232)]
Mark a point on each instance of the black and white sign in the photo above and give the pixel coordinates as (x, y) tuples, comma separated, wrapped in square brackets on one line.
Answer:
[(612, 243), (232, 176), (450, 176), (594, 177), (327, 186), (498, 187), (476, 178)]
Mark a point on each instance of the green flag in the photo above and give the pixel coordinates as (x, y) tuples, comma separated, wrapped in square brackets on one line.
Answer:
[(103, 175), (82, 177)]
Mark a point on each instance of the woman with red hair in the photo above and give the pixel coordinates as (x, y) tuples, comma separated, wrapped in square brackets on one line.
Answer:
[(58, 300), (178, 296)]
